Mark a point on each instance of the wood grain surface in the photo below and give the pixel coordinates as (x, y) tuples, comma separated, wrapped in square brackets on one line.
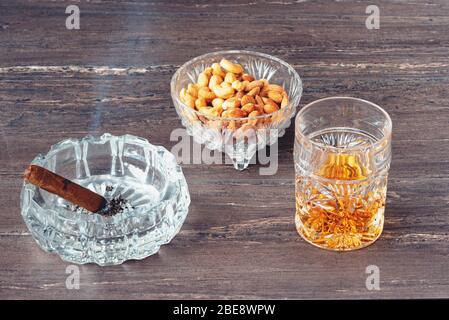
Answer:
[(239, 240)]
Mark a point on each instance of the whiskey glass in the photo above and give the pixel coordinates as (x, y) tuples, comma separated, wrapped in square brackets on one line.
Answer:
[(342, 156)]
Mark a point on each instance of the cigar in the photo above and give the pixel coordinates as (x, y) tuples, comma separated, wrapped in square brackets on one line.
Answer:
[(64, 188)]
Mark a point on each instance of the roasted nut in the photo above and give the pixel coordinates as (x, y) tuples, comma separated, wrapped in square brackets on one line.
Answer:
[(275, 96), (230, 77), (217, 102), (237, 113), (264, 91), (223, 92), (238, 85), (260, 101), (187, 98), (231, 67), (232, 125), (208, 71), (248, 108), (205, 110), (231, 103), (253, 115), (219, 110), (247, 99), (247, 77), (269, 101), (269, 108), (192, 90), (275, 87), (259, 108), (253, 92), (240, 95), (234, 94), (203, 80), (254, 84), (216, 70), (204, 92), (214, 81), (200, 102)]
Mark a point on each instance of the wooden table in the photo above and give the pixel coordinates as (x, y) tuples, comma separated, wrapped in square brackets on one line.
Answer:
[(239, 240)]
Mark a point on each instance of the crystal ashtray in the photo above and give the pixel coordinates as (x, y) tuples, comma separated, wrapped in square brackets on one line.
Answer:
[(146, 176), (214, 132)]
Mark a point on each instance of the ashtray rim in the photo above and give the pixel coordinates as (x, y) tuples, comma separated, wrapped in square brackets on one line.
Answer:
[(173, 172), (134, 241)]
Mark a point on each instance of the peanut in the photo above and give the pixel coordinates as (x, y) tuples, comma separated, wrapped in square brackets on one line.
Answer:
[(275, 96), (187, 98), (203, 80), (205, 110), (192, 90), (215, 80), (216, 70), (230, 77), (204, 92), (238, 85), (208, 71), (200, 102), (223, 92), (231, 103), (231, 67), (217, 102), (219, 110), (226, 84)]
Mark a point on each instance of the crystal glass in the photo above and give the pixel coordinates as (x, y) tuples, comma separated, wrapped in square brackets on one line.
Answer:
[(342, 156), (238, 143), (146, 176)]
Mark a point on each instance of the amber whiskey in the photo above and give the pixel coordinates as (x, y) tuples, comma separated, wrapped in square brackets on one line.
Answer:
[(340, 205)]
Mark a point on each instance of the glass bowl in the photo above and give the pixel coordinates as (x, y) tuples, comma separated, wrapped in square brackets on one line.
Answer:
[(146, 176), (233, 135)]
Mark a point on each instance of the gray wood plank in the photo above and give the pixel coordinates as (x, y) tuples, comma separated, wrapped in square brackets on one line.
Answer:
[(239, 240)]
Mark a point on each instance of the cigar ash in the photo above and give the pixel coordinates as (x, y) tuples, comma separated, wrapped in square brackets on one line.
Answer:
[(115, 205)]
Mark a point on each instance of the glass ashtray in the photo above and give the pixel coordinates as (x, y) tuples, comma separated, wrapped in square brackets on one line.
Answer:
[(145, 176), (231, 135)]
